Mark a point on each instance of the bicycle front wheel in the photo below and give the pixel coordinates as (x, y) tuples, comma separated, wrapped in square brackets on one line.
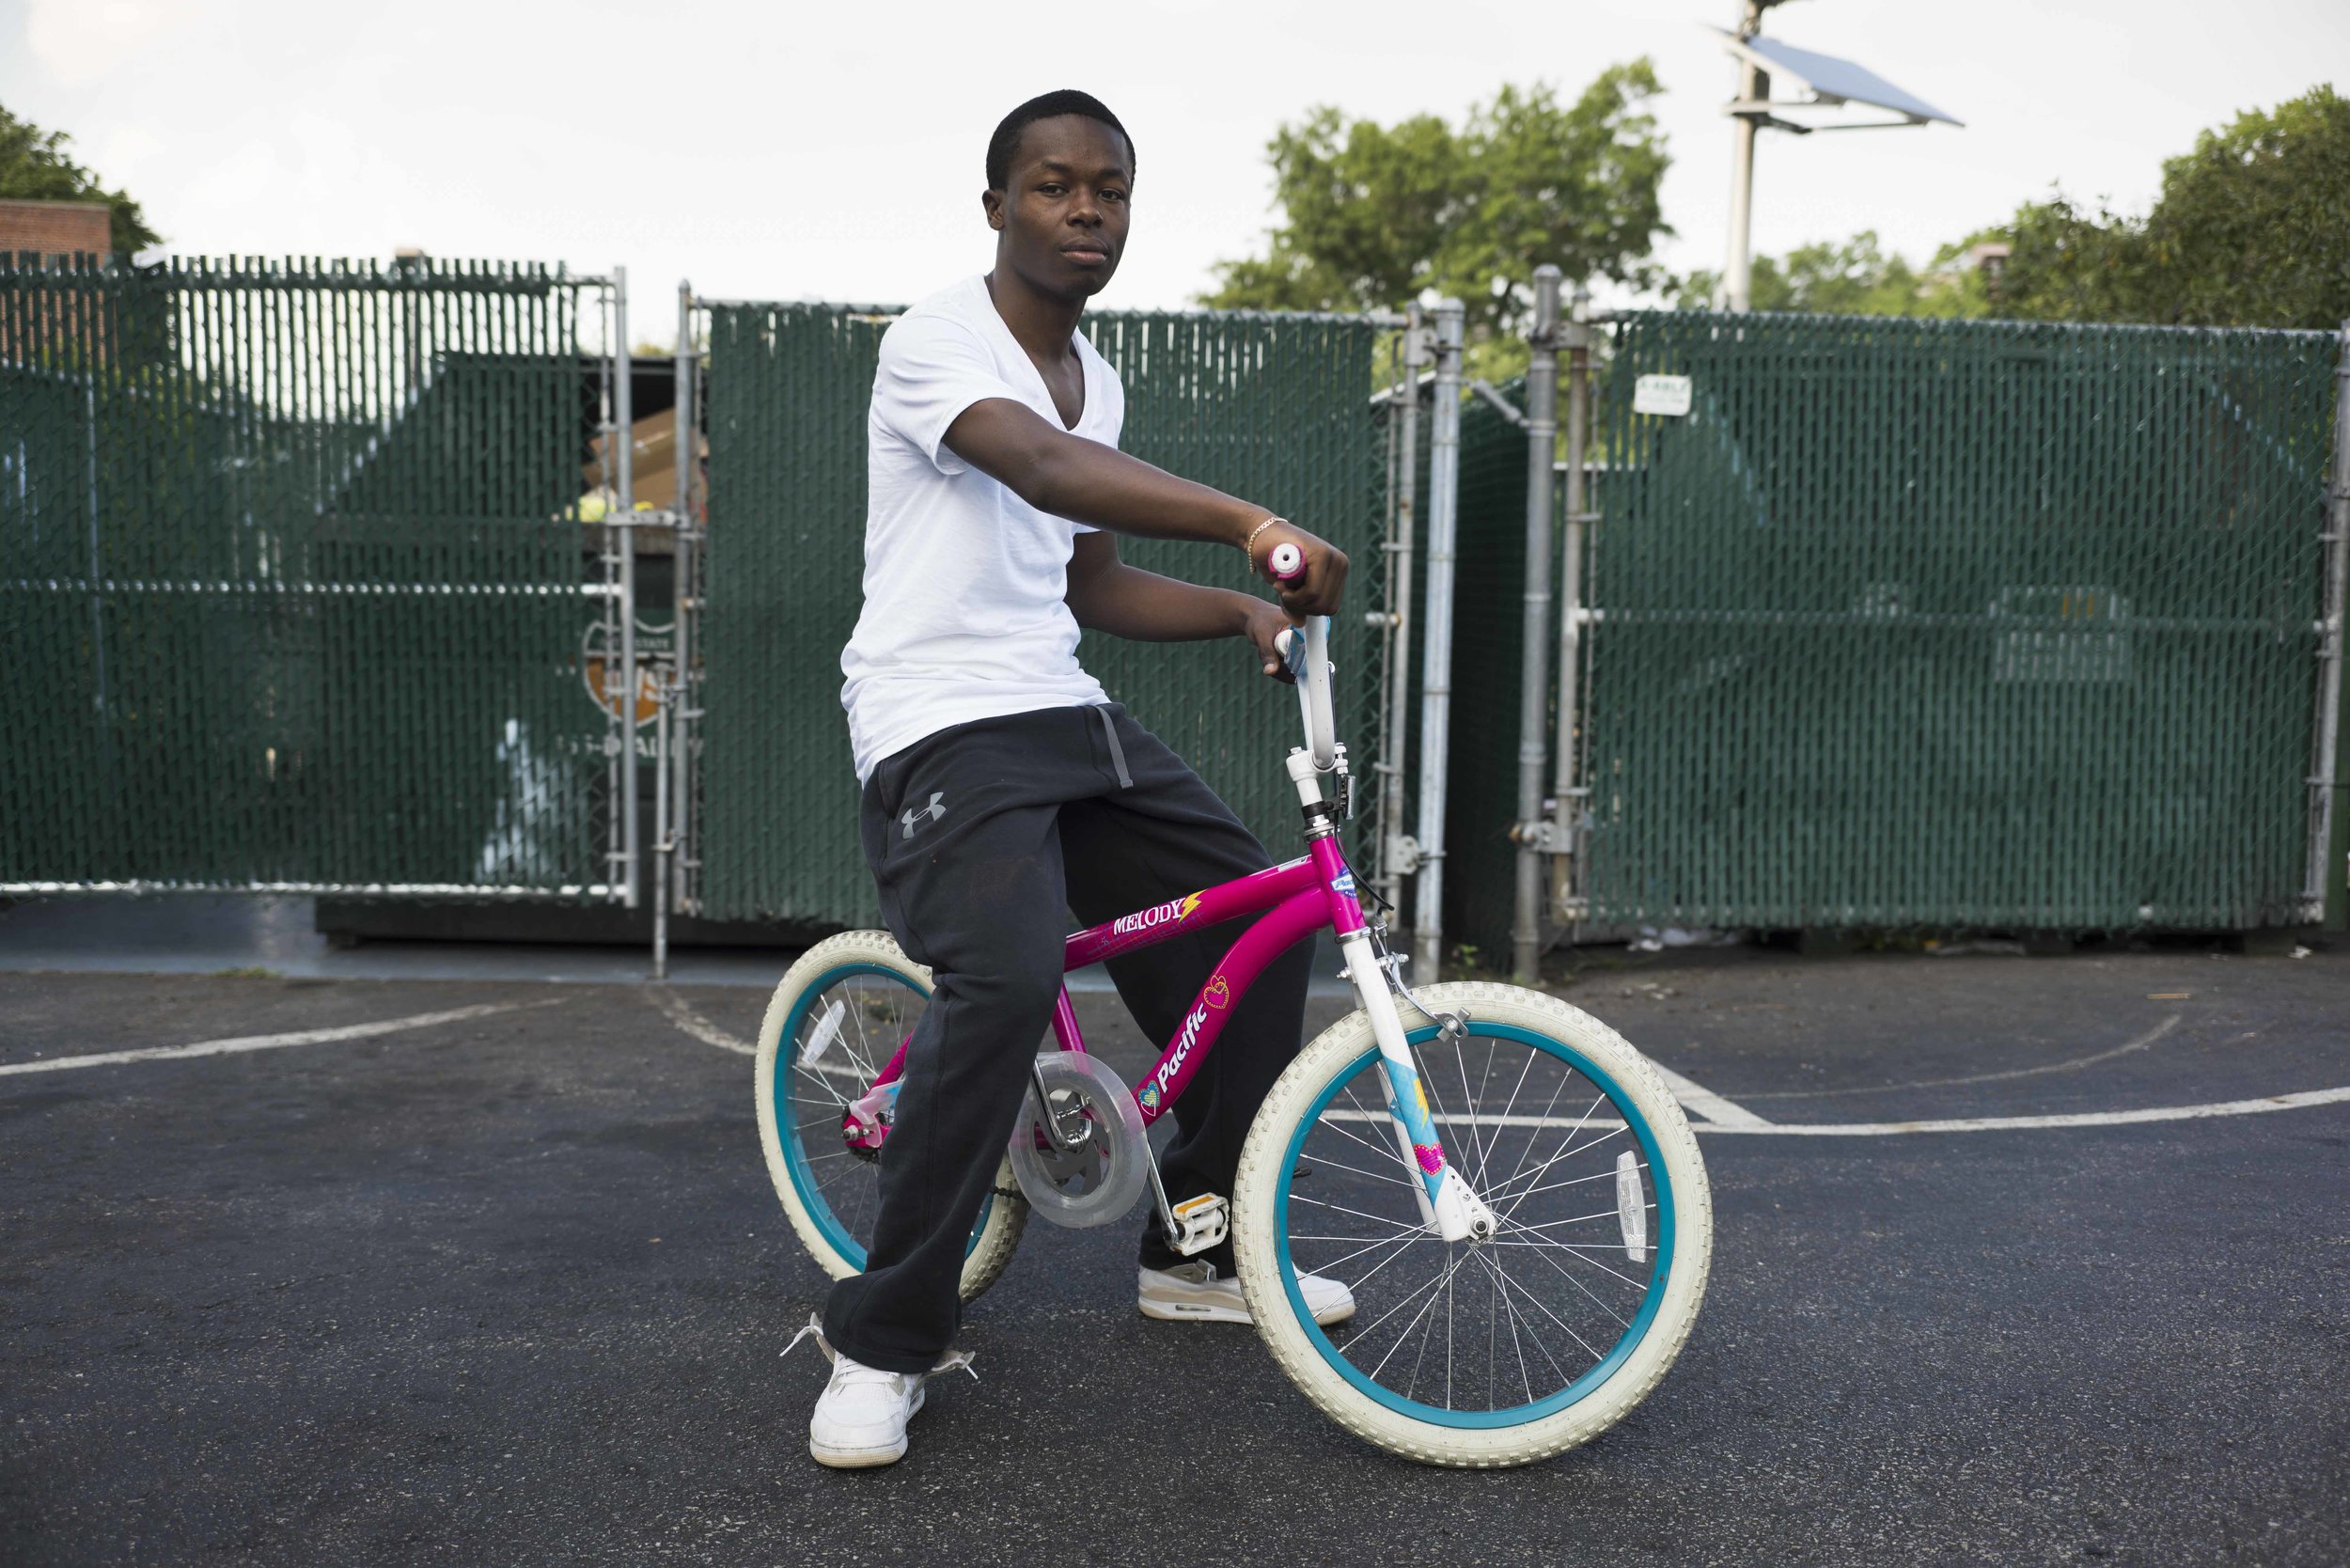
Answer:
[(1491, 1353)]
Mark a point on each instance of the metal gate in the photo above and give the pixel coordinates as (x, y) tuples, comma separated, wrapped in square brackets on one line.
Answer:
[(295, 590), (1911, 623)]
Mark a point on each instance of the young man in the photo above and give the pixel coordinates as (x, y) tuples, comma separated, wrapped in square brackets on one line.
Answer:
[(1002, 788)]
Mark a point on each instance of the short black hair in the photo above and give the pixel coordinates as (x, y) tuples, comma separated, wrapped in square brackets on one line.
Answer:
[(1051, 105)]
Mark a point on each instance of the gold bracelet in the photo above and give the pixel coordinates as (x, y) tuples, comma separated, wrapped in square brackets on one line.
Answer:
[(1250, 548)]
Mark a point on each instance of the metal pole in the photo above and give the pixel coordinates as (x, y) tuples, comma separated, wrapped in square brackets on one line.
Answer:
[(2324, 781), (687, 593), (1435, 684), (1567, 823), (661, 835), (1754, 87), (624, 488), (1394, 857), (1541, 477), (97, 556)]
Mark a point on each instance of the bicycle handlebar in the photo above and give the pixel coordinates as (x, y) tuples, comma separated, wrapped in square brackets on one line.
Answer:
[(1308, 658)]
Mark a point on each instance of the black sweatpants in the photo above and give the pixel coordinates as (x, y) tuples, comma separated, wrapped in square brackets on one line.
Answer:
[(982, 838)]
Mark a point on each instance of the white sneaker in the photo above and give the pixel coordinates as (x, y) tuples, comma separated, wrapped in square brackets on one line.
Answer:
[(1191, 1293), (861, 1419)]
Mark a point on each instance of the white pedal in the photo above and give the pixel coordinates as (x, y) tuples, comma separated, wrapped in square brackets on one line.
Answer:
[(1199, 1223)]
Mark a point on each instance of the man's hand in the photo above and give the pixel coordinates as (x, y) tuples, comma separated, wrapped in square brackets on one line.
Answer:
[(1266, 622), (1318, 590)]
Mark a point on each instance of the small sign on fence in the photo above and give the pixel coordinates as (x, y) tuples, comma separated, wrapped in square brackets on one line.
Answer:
[(1661, 394)]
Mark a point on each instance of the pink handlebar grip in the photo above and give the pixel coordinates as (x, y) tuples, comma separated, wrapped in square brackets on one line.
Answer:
[(1288, 563)]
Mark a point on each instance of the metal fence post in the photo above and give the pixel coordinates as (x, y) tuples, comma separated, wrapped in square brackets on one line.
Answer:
[(687, 594), (624, 507), (1567, 816), (1397, 848), (2326, 863), (1542, 475), (1435, 686)]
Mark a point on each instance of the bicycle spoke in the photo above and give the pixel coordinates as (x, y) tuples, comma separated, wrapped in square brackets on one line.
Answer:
[(1372, 1327), (1564, 1153), (839, 1099), (1403, 1244), (1447, 1342), (1547, 1246), (1502, 1276), (1433, 1287), (1544, 1118), (1468, 1104), (1607, 1175), (1340, 1263), (1577, 1219), (1587, 1289), (1554, 1318), (864, 1058), (1381, 1118), (1376, 1219), (1321, 1162)]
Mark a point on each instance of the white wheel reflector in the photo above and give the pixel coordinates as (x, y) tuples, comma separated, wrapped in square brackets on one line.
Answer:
[(827, 1030), (1631, 1209)]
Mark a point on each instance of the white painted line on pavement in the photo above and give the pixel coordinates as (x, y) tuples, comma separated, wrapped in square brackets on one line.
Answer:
[(2081, 1119), (2071, 1065), (680, 1012), (268, 1042), (1891, 1129), (683, 1014), (1697, 1097)]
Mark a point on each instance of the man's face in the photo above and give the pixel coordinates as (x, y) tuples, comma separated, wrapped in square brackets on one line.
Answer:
[(1063, 219)]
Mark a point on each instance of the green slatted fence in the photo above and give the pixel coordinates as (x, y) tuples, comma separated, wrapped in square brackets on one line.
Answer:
[(1955, 624), (288, 597)]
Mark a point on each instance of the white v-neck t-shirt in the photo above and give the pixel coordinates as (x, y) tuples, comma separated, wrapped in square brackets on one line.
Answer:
[(964, 617)]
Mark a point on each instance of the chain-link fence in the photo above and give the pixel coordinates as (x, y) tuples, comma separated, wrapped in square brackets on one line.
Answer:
[(1274, 408), (1955, 624), (293, 593)]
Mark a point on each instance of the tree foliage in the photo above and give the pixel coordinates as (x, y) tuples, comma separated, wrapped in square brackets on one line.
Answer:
[(2252, 229), (1372, 214), (34, 167), (1858, 277)]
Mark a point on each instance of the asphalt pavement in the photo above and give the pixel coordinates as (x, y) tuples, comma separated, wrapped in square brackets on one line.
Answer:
[(2020, 1261)]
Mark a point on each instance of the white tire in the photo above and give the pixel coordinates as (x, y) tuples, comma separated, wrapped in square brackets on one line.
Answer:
[(829, 1236), (1311, 1358)]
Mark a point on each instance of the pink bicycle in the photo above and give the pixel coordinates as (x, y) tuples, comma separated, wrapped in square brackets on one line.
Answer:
[(1505, 1185)]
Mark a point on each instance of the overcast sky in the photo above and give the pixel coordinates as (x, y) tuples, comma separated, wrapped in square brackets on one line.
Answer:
[(834, 152)]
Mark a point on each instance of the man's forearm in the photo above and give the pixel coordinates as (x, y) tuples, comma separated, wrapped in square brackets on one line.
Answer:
[(1087, 482), (1110, 490), (1143, 607)]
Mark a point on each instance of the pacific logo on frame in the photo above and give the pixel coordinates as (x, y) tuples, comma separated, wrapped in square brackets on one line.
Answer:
[(1157, 915)]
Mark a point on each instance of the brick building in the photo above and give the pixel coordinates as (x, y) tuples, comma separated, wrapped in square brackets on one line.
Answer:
[(56, 229), (66, 323)]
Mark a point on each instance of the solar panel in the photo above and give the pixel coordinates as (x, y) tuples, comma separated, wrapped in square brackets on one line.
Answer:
[(1832, 78)]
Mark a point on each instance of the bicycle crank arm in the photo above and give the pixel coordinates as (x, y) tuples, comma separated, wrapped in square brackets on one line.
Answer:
[(1047, 1118)]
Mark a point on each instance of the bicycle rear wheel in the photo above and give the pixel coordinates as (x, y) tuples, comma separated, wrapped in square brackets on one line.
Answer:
[(1491, 1353), (831, 1028)]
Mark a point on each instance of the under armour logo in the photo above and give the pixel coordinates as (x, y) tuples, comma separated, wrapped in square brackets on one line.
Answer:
[(935, 810)]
